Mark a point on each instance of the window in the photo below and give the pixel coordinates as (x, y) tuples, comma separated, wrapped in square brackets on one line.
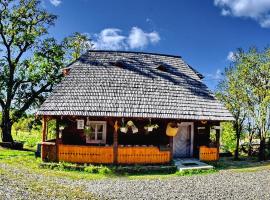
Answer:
[(98, 132), (80, 124)]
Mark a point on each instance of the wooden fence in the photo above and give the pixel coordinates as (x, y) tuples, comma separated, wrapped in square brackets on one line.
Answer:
[(142, 155), (48, 150), (85, 154), (209, 153), (125, 155)]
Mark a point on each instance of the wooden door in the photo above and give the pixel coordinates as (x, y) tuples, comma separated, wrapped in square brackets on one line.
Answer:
[(182, 142)]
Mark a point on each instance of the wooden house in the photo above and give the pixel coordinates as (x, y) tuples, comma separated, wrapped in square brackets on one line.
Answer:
[(131, 107)]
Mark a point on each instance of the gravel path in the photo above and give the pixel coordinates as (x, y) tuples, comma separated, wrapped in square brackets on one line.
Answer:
[(222, 185)]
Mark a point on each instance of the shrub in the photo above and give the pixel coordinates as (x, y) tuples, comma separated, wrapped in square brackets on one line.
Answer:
[(92, 169), (195, 171)]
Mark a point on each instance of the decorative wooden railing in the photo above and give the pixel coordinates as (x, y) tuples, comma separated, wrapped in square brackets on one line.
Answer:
[(48, 150), (209, 153), (142, 155), (85, 154), (104, 154)]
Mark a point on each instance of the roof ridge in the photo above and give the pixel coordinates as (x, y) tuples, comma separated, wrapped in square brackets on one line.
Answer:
[(135, 52)]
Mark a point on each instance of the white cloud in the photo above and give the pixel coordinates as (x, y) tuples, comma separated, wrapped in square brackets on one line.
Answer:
[(55, 2), (258, 10), (113, 39), (216, 76), (110, 38), (231, 56), (139, 39)]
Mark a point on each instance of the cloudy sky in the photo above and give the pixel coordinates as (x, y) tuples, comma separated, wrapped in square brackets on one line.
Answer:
[(204, 32)]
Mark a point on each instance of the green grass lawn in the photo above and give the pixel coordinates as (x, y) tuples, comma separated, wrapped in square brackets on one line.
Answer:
[(27, 161)]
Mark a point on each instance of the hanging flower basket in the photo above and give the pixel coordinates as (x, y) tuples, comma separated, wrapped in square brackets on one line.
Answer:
[(151, 127), (123, 129), (172, 129), (134, 129), (62, 126)]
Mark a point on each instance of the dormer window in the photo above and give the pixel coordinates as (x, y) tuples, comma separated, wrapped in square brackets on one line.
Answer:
[(119, 64), (162, 68)]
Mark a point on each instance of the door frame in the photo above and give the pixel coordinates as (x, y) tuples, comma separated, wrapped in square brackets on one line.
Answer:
[(191, 124)]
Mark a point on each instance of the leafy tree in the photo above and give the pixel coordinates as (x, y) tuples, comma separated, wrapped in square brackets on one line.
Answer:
[(230, 92), (77, 44), (254, 68), (30, 64), (246, 93), (228, 136)]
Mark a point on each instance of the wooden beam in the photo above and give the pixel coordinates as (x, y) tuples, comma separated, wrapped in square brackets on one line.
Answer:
[(218, 138), (57, 140), (44, 128), (171, 148), (115, 142), (44, 131)]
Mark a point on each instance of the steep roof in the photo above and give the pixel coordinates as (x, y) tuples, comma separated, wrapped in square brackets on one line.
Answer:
[(133, 84)]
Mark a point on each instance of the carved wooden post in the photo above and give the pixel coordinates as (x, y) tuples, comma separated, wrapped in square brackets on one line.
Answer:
[(57, 139), (44, 131), (218, 140), (171, 148), (115, 142)]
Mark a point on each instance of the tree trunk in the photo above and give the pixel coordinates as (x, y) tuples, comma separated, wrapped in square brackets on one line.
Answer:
[(236, 153), (250, 145), (262, 149), (6, 127)]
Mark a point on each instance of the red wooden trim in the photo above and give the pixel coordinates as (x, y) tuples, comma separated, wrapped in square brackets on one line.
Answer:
[(44, 130), (115, 142)]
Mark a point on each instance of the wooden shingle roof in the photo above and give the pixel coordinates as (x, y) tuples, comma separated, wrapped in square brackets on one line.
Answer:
[(133, 84)]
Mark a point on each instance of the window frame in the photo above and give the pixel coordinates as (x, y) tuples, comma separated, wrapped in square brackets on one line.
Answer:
[(104, 132)]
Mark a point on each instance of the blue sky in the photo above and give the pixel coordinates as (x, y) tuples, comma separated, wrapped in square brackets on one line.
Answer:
[(203, 32)]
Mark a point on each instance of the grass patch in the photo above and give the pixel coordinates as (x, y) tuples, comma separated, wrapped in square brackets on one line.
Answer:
[(196, 172)]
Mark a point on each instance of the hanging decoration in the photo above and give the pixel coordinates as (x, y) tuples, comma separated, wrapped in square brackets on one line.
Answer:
[(149, 127), (130, 125), (172, 129), (123, 127)]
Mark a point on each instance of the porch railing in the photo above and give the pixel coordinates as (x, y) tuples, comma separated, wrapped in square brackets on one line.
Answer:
[(209, 153), (141, 155), (105, 154), (85, 154)]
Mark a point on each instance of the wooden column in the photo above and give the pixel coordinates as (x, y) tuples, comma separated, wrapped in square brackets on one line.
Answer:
[(57, 140), (171, 148), (115, 142), (218, 140), (44, 131)]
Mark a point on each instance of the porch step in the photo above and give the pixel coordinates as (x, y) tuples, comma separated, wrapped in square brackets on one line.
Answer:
[(190, 164)]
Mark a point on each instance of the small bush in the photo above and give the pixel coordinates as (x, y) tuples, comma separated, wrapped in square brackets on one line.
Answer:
[(194, 172), (105, 171), (92, 169)]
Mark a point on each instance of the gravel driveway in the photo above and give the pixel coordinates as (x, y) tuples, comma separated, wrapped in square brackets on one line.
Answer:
[(222, 185)]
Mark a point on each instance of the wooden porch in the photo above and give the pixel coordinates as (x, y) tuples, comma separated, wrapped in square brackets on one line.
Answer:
[(57, 150)]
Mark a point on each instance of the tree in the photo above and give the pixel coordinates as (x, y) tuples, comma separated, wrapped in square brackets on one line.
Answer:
[(30, 64), (77, 44), (228, 136), (230, 92), (246, 93), (254, 67)]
